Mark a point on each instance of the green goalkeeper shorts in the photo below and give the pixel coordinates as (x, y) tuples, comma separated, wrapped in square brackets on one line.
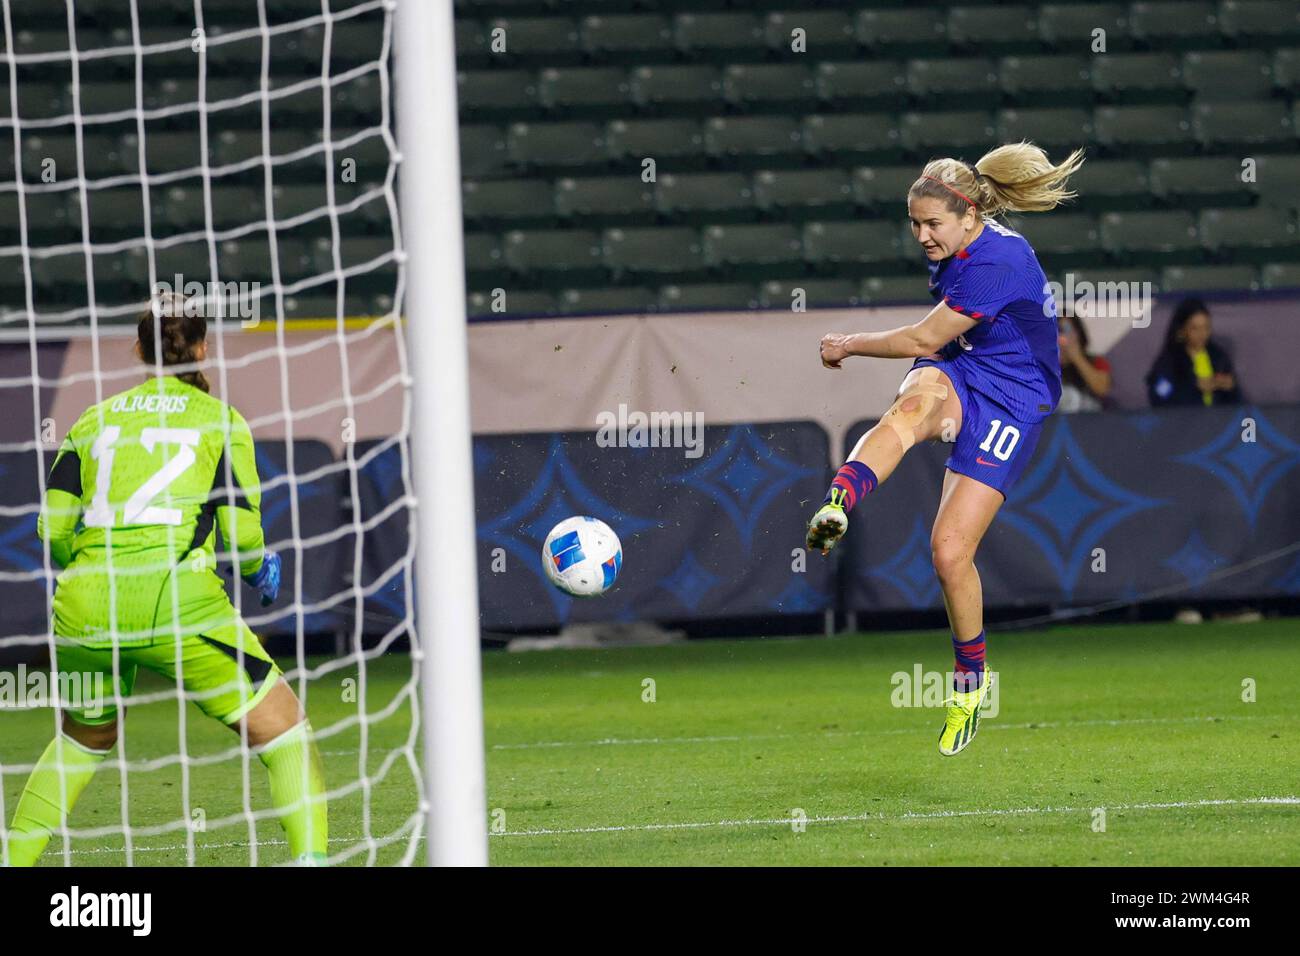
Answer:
[(225, 683)]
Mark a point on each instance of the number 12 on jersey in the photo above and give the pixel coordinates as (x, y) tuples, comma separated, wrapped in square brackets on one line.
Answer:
[(138, 508)]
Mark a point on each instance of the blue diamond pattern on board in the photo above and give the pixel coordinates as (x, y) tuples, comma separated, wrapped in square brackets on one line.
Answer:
[(1066, 528), (799, 597), (1248, 469), (555, 494), (689, 582), (911, 570), (744, 475), (1065, 507), (1194, 560)]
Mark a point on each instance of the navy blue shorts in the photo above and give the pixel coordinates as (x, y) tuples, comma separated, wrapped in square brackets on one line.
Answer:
[(993, 446)]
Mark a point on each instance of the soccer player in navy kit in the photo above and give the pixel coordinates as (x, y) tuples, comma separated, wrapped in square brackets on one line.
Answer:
[(986, 373)]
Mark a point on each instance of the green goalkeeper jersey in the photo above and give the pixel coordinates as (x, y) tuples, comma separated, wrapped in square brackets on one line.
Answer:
[(133, 500)]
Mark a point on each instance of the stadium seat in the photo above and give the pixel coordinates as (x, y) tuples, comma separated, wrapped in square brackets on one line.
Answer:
[(877, 84), (511, 303), (353, 252), (1280, 275), (113, 213), (948, 133), (877, 290), (545, 40), (1052, 129), (827, 34), (708, 295), (184, 209), (625, 197), (58, 214), (555, 144), (903, 32), (676, 86), (1286, 70), (677, 195), (1261, 230), (501, 91), (883, 185), (766, 245), (1130, 129), (1228, 124), (505, 199), (1228, 74), (471, 41), (1058, 233), (102, 156), (584, 89), (551, 250), (972, 81), (786, 85), (660, 138), (780, 293), (1207, 278), (863, 241), (707, 33), (660, 251), (483, 253), (1200, 180), (1069, 27), (1175, 23), (873, 135), (994, 29), (482, 151), (612, 37), (1251, 20), (1130, 235), (1111, 184), (1143, 77), (1057, 79), (752, 136), (800, 191), (1276, 177), (607, 299)]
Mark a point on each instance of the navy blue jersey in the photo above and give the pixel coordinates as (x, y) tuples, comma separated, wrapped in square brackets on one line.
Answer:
[(1011, 355)]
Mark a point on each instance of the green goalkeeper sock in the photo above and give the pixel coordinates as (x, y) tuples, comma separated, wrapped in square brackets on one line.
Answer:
[(44, 803), (299, 797)]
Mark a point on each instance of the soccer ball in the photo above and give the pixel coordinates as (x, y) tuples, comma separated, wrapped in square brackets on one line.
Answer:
[(582, 556)]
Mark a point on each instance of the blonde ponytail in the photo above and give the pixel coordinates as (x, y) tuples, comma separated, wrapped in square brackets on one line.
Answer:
[(1017, 177)]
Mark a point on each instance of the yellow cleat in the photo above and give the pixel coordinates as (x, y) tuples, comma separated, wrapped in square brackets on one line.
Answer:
[(827, 527), (963, 717)]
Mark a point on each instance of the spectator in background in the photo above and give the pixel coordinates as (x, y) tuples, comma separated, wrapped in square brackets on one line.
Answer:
[(1085, 378), (1192, 369)]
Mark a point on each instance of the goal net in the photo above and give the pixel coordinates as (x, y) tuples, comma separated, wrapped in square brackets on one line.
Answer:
[(242, 154)]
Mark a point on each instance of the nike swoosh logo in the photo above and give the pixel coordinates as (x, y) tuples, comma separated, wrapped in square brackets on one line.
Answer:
[(991, 464)]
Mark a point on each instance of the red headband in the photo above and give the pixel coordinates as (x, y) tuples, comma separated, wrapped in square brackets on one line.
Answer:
[(950, 189)]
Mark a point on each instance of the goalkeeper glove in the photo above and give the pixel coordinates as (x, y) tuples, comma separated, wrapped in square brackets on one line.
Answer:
[(267, 578)]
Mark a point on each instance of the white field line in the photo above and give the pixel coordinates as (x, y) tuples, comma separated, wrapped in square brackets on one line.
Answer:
[(762, 822), (897, 817), (985, 724)]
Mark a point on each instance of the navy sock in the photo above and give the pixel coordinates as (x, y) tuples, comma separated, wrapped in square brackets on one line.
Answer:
[(968, 665), (853, 482)]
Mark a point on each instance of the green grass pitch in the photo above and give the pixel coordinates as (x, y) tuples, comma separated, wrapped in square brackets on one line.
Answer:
[(1112, 745)]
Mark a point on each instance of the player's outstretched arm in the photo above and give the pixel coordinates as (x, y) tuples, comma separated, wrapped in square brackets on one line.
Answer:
[(241, 525), (929, 335)]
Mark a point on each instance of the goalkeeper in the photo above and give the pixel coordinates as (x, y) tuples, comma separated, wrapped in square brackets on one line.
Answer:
[(129, 515)]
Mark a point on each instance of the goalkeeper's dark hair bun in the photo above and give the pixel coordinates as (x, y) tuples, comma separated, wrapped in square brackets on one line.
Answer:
[(181, 331)]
